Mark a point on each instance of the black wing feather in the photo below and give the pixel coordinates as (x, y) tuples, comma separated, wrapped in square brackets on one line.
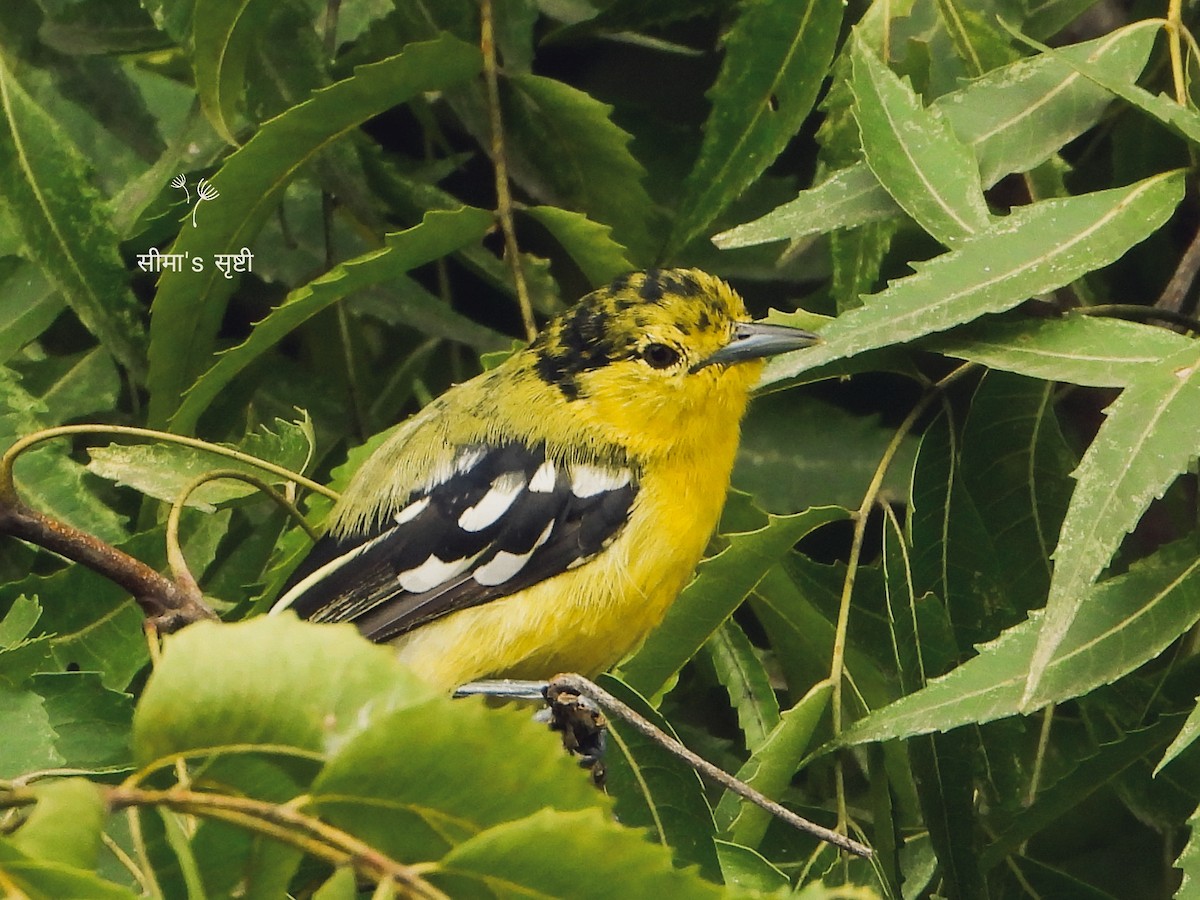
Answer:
[(365, 588)]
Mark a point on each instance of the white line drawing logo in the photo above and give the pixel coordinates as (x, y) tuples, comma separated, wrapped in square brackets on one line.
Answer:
[(204, 191), (180, 181)]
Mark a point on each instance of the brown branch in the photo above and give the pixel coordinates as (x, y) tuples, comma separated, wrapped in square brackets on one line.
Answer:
[(167, 605), (577, 684)]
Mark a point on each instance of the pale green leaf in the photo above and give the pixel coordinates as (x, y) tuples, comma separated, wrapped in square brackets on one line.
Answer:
[(914, 153), (65, 825), (1124, 622), (29, 302), (745, 679), (771, 766), (1086, 350), (1151, 434), (1012, 119), (619, 862), (1034, 249), (164, 470)]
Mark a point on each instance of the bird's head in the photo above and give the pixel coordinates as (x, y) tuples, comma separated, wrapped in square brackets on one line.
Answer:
[(657, 355)]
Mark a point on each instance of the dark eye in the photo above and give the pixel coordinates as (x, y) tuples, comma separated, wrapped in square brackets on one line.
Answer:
[(660, 356)]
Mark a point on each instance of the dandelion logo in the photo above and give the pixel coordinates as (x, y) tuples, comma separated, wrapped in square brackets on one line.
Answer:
[(204, 191), (180, 181)]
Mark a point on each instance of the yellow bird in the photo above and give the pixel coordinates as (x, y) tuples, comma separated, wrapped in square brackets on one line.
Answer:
[(542, 516)]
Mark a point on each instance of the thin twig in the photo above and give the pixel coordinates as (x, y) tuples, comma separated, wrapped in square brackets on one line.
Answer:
[(285, 824), (1140, 313), (836, 673), (1181, 280), (579, 685), (487, 43)]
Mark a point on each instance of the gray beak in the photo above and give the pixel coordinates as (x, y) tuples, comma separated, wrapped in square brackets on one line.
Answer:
[(755, 340)]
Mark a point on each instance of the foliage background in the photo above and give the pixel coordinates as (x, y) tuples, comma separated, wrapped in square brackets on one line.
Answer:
[(951, 608)]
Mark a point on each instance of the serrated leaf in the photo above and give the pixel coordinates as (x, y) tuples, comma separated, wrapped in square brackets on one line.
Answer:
[(572, 155), (1086, 350), (720, 585), (749, 870), (1012, 119), (1150, 435), (224, 33), (914, 153), (1126, 621), (771, 766), (654, 788), (1034, 249), (776, 56), (588, 243), (90, 722), (745, 679), (164, 470), (1186, 737), (30, 742), (440, 233), (44, 180), (188, 306), (1189, 860), (619, 862)]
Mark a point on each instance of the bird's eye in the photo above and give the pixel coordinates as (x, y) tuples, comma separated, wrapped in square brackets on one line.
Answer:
[(660, 356)]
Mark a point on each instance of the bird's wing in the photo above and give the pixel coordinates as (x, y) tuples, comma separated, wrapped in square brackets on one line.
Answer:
[(505, 518)]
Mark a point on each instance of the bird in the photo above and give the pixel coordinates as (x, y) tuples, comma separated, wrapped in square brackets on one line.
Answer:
[(541, 517)]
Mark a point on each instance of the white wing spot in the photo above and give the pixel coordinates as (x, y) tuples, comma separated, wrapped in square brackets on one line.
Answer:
[(411, 511), (494, 504), (469, 460), (542, 481), (588, 481), (504, 565), (431, 573)]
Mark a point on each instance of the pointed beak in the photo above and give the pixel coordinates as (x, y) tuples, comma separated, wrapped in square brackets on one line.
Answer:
[(755, 340)]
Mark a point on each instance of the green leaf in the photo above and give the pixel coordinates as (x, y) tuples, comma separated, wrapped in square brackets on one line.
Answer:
[(268, 681), (37, 879), (776, 56), (841, 453), (438, 235), (571, 154), (1150, 436), (745, 679), (29, 302), (599, 257), (1087, 350), (1186, 737), (30, 742), (719, 587), (654, 788), (771, 767), (1124, 622), (744, 868), (65, 825), (1189, 859), (1034, 249), (400, 784), (1012, 119), (1069, 793), (164, 470), (224, 32), (46, 477), (90, 722), (914, 153), (511, 860), (45, 181), (849, 197), (189, 305)]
